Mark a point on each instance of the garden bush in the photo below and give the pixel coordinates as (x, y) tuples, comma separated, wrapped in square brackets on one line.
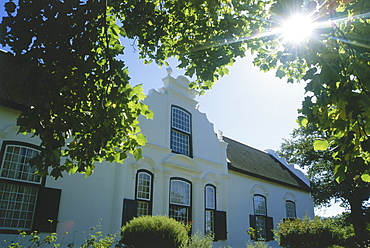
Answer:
[(197, 240), (312, 233), (154, 232), (36, 240), (257, 244)]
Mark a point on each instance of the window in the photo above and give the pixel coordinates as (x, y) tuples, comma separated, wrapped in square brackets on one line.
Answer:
[(142, 204), (181, 131), (290, 210), (180, 200), (22, 192), (260, 221), (260, 212), (144, 193), (210, 193), (215, 221)]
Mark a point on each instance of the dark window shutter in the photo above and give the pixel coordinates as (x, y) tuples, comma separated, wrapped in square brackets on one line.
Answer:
[(252, 223), (47, 208), (129, 210), (220, 225), (269, 227)]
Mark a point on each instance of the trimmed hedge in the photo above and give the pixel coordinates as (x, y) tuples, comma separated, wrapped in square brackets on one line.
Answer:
[(312, 233), (154, 232)]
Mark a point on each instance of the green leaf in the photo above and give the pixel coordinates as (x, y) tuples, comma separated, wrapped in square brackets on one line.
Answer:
[(339, 172), (280, 74), (141, 140), (138, 90), (302, 121), (309, 74), (73, 170), (138, 153), (366, 145), (320, 145), (366, 177)]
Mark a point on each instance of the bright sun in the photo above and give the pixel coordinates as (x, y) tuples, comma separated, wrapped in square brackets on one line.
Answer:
[(297, 28)]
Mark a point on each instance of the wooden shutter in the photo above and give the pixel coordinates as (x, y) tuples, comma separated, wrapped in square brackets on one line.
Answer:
[(252, 223), (129, 210), (47, 208), (269, 228), (220, 225)]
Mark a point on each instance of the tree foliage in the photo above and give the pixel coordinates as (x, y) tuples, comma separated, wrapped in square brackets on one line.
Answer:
[(335, 64), (311, 233), (84, 109), (320, 166)]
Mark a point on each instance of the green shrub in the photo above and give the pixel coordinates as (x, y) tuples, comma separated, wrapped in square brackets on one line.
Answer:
[(154, 231), (197, 240), (34, 240), (312, 233), (257, 244)]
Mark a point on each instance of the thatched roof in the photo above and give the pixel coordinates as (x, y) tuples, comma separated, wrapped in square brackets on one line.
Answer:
[(256, 163)]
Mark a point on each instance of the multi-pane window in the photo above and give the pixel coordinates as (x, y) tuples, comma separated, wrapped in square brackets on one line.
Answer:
[(15, 164), (18, 200), (143, 193), (210, 200), (180, 200), (180, 131), (17, 206), (290, 209), (260, 212)]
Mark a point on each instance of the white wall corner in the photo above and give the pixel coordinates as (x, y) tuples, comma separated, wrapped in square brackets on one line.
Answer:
[(179, 85), (3, 135), (291, 167)]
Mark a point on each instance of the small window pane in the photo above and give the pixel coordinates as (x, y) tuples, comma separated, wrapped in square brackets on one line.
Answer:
[(143, 186), (179, 213), (17, 206), (210, 220), (180, 193), (290, 209), (15, 164), (180, 142), (261, 227), (259, 205), (210, 197), (180, 120), (142, 208)]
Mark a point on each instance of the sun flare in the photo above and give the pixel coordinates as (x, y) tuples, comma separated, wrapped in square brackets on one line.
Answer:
[(298, 28)]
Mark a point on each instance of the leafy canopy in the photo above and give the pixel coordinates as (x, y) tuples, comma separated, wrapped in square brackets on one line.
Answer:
[(334, 61), (82, 106), (320, 167)]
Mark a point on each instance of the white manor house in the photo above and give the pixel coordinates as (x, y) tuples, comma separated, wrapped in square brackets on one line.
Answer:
[(187, 172)]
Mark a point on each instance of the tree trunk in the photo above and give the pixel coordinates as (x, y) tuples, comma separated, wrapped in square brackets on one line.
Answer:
[(357, 217)]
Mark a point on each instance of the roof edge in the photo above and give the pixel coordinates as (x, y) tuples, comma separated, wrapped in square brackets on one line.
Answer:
[(230, 167)]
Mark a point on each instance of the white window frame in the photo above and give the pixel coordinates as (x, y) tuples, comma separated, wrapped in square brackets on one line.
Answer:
[(290, 209), (260, 211), (180, 210), (19, 187), (180, 131), (210, 208), (144, 203)]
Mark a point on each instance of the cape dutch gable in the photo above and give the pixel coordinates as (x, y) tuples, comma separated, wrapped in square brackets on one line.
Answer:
[(187, 172)]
